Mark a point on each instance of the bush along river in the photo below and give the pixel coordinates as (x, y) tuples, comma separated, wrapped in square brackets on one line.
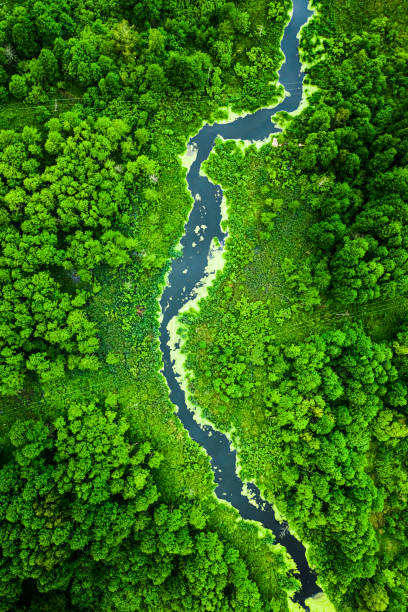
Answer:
[(188, 271)]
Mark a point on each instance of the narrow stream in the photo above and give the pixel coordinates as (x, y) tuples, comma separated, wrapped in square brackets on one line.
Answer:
[(188, 270)]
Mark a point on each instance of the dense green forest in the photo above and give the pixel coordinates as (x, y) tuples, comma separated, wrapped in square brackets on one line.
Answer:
[(85, 519), (300, 349), (93, 82), (106, 503)]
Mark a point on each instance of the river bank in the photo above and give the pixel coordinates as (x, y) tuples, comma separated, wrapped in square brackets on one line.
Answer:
[(192, 274)]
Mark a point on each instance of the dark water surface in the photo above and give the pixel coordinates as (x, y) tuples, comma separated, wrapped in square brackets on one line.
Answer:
[(188, 270)]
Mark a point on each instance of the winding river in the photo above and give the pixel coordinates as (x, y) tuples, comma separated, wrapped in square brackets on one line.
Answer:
[(187, 272)]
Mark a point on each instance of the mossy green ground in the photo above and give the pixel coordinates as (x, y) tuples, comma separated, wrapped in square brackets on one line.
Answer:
[(320, 603)]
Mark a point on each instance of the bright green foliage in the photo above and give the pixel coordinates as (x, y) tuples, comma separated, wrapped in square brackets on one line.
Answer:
[(18, 87), (320, 423), (317, 406), (70, 188), (79, 515), (356, 157), (114, 48), (92, 202), (320, 418), (63, 200), (75, 485)]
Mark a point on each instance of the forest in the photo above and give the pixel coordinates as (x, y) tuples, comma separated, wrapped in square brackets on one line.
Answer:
[(106, 503), (299, 351)]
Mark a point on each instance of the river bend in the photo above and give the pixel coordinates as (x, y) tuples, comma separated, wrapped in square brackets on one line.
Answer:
[(188, 270)]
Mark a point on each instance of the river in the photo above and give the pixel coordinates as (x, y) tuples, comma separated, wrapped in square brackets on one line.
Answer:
[(188, 270)]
